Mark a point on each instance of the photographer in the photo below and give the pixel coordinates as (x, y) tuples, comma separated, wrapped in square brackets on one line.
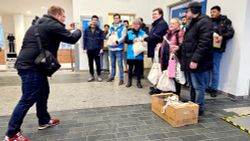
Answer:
[(35, 86)]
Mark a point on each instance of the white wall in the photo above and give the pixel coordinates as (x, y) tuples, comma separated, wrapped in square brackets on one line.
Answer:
[(244, 72), (235, 67), (142, 8)]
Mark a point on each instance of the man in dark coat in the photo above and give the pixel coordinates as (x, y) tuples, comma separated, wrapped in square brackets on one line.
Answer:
[(222, 26), (93, 43), (159, 29), (35, 86), (197, 57)]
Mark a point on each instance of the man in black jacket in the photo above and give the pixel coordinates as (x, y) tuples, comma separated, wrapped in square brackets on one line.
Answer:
[(35, 86), (197, 57), (222, 26), (93, 43), (159, 29)]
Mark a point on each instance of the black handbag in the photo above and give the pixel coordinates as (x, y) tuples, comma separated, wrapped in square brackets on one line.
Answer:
[(45, 61)]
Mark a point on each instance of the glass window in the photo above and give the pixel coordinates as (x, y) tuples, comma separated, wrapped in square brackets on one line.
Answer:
[(1, 36)]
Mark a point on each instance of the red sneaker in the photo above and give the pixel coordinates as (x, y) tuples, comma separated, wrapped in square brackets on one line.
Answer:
[(17, 137), (52, 122)]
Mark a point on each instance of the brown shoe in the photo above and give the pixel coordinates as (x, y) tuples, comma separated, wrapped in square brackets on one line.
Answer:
[(121, 82)]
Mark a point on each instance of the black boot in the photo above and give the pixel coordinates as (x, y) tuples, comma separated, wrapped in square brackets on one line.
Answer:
[(129, 84), (139, 84), (213, 93)]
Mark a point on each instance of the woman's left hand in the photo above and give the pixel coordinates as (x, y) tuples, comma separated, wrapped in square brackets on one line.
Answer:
[(174, 48)]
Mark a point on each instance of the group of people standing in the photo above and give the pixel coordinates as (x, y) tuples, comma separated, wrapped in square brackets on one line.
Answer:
[(193, 40), (198, 43), (120, 50)]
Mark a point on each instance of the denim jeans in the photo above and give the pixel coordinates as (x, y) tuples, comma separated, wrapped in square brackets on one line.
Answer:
[(198, 85), (105, 60), (116, 55), (35, 89), (216, 70)]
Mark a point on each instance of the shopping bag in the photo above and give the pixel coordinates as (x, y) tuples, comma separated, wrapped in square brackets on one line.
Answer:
[(165, 83), (139, 47), (172, 66), (155, 73), (179, 75), (112, 38)]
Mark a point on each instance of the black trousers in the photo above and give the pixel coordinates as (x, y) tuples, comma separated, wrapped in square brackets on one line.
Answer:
[(178, 88), (137, 65), (94, 55)]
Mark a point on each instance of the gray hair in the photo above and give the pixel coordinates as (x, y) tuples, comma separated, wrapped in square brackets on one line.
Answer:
[(137, 20)]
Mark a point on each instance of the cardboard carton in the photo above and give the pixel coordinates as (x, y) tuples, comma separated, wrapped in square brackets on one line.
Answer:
[(177, 115)]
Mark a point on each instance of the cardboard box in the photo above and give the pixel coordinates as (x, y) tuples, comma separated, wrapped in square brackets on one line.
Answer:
[(216, 44), (176, 115)]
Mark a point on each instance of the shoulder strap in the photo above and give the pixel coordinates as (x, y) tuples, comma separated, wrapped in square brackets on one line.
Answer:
[(37, 35)]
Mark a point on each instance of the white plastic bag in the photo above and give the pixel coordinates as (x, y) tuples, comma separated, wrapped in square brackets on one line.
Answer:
[(155, 71), (180, 75), (139, 47), (112, 38), (165, 83)]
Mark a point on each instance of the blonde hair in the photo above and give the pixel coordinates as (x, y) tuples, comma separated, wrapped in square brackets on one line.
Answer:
[(54, 10), (175, 20)]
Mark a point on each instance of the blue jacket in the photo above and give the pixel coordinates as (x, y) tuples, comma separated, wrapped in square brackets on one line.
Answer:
[(119, 31), (132, 34), (93, 41)]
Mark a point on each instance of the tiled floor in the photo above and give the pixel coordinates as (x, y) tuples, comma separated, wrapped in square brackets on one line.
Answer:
[(116, 113)]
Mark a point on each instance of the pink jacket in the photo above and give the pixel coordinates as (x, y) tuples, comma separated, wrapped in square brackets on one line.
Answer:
[(172, 37)]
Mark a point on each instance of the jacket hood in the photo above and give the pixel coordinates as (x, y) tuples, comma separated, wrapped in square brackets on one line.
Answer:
[(48, 17)]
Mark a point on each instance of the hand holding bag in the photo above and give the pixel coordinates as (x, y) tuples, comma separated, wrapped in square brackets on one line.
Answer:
[(45, 61), (112, 39), (139, 47)]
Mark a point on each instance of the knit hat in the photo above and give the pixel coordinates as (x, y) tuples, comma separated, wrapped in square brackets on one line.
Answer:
[(195, 7)]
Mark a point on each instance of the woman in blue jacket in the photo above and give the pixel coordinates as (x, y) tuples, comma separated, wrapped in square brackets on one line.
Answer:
[(134, 35)]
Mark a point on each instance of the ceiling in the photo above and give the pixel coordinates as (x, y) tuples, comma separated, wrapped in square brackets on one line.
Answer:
[(32, 7)]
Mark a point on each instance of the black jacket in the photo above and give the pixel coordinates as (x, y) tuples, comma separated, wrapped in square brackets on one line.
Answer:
[(52, 32), (145, 28), (159, 29), (164, 55), (93, 41), (197, 44), (223, 26)]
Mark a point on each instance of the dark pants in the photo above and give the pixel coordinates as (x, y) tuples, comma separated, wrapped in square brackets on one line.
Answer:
[(94, 55), (178, 88), (11, 47), (35, 89), (137, 65), (142, 68)]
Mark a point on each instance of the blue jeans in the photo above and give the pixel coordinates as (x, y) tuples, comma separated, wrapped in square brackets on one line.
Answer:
[(216, 70), (35, 89), (198, 85), (105, 60), (116, 55)]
